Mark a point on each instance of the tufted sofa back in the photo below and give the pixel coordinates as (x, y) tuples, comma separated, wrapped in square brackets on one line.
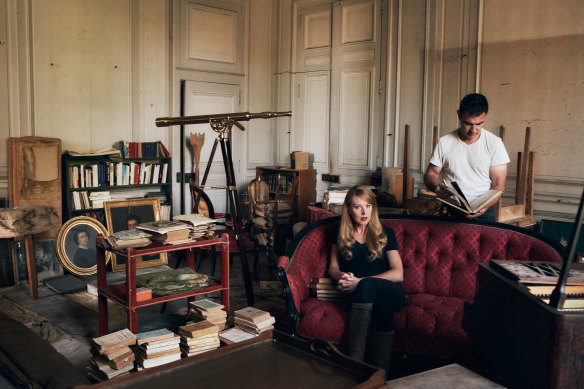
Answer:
[(440, 256)]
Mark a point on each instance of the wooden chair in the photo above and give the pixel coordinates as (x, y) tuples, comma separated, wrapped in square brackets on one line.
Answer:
[(22, 223), (520, 212)]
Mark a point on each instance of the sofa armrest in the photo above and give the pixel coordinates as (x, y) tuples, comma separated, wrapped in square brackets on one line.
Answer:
[(283, 261), (291, 310)]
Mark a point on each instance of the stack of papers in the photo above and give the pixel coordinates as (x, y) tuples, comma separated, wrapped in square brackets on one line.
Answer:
[(200, 225)]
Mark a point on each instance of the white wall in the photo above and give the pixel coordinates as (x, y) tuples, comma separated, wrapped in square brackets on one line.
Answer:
[(93, 72), (533, 71)]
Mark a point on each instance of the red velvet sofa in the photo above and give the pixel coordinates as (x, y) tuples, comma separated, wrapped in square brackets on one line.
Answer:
[(440, 258)]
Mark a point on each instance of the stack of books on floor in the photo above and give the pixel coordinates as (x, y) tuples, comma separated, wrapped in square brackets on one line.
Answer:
[(200, 225), (253, 320), (112, 355), (129, 238), (157, 347), (196, 338), (208, 310), (167, 232), (325, 289)]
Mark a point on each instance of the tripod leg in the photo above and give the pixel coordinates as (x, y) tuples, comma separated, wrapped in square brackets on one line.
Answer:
[(236, 216), (207, 169)]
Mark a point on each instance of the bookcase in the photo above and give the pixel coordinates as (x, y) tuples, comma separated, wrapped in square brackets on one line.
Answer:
[(280, 180), (86, 178)]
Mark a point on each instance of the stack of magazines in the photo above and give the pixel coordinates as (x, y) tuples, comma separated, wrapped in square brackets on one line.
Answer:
[(129, 238), (200, 225)]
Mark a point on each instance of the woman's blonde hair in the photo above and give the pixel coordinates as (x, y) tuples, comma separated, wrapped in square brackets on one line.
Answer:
[(374, 236)]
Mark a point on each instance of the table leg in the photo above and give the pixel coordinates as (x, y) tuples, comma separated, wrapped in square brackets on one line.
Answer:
[(224, 247), (101, 284), (103, 314), (132, 312), (31, 266)]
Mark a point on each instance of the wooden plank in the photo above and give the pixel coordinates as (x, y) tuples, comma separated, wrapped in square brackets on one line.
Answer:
[(406, 174), (34, 174)]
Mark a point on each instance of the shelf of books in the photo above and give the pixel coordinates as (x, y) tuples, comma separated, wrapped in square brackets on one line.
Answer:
[(280, 180), (89, 180)]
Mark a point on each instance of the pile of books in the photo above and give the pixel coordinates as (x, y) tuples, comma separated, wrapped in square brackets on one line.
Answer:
[(97, 198), (157, 347), (254, 320), (196, 338), (208, 310), (128, 238), (200, 225), (325, 289), (112, 355), (167, 232)]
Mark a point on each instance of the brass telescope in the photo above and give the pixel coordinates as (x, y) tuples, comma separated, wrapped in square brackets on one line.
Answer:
[(235, 117)]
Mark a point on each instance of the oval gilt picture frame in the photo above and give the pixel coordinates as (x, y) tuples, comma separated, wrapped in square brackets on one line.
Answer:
[(76, 245)]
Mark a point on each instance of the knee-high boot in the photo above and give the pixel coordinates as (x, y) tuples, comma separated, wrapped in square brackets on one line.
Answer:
[(379, 345), (359, 329)]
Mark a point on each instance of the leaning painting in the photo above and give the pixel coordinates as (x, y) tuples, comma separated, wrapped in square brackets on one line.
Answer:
[(76, 245), (47, 261), (126, 215)]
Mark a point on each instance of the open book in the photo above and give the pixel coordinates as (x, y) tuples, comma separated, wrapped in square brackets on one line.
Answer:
[(464, 206)]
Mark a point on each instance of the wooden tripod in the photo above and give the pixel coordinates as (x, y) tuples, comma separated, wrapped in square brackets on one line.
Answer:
[(223, 127)]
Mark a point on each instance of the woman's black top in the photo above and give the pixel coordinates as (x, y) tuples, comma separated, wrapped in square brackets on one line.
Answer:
[(360, 265)]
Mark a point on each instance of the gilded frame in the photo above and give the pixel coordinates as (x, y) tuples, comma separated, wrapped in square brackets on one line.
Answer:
[(76, 259), (118, 214)]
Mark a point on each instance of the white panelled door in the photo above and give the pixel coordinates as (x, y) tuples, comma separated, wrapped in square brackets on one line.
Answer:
[(338, 116), (207, 98)]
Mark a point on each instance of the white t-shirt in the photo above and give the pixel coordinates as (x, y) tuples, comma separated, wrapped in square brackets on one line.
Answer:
[(469, 165)]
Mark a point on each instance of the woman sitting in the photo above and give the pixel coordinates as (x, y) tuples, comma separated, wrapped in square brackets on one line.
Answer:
[(367, 265)]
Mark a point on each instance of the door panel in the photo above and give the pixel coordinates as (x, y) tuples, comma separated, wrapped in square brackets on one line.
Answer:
[(337, 115), (355, 114), (202, 98)]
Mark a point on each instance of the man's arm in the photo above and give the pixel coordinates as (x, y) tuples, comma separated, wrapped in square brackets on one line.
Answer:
[(498, 175), (432, 181)]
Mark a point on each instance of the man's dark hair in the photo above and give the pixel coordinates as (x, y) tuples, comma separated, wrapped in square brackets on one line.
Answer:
[(475, 104)]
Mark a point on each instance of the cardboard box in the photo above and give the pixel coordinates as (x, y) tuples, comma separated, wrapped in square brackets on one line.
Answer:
[(299, 159)]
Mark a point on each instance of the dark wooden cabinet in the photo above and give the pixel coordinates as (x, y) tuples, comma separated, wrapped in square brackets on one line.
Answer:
[(279, 181)]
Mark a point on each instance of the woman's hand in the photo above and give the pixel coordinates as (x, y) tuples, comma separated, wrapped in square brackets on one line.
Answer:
[(348, 282)]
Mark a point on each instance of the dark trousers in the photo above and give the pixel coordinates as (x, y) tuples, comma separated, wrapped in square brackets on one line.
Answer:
[(386, 296)]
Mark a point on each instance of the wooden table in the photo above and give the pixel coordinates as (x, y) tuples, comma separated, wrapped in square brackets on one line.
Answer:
[(445, 377), (272, 360), (125, 293)]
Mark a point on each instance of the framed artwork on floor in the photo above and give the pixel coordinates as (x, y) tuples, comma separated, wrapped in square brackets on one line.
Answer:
[(6, 263), (47, 260), (127, 215), (76, 245), (19, 262)]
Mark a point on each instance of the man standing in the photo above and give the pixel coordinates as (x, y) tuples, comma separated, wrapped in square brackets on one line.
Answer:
[(471, 156)]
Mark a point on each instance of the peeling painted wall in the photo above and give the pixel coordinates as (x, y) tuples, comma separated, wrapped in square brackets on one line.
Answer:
[(532, 70)]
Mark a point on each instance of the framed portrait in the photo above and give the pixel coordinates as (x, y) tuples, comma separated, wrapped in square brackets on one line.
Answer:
[(126, 215), (47, 260), (76, 245), (19, 262)]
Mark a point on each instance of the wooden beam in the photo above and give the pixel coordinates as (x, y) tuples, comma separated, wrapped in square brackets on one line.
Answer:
[(406, 166), (530, 186), (522, 179)]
